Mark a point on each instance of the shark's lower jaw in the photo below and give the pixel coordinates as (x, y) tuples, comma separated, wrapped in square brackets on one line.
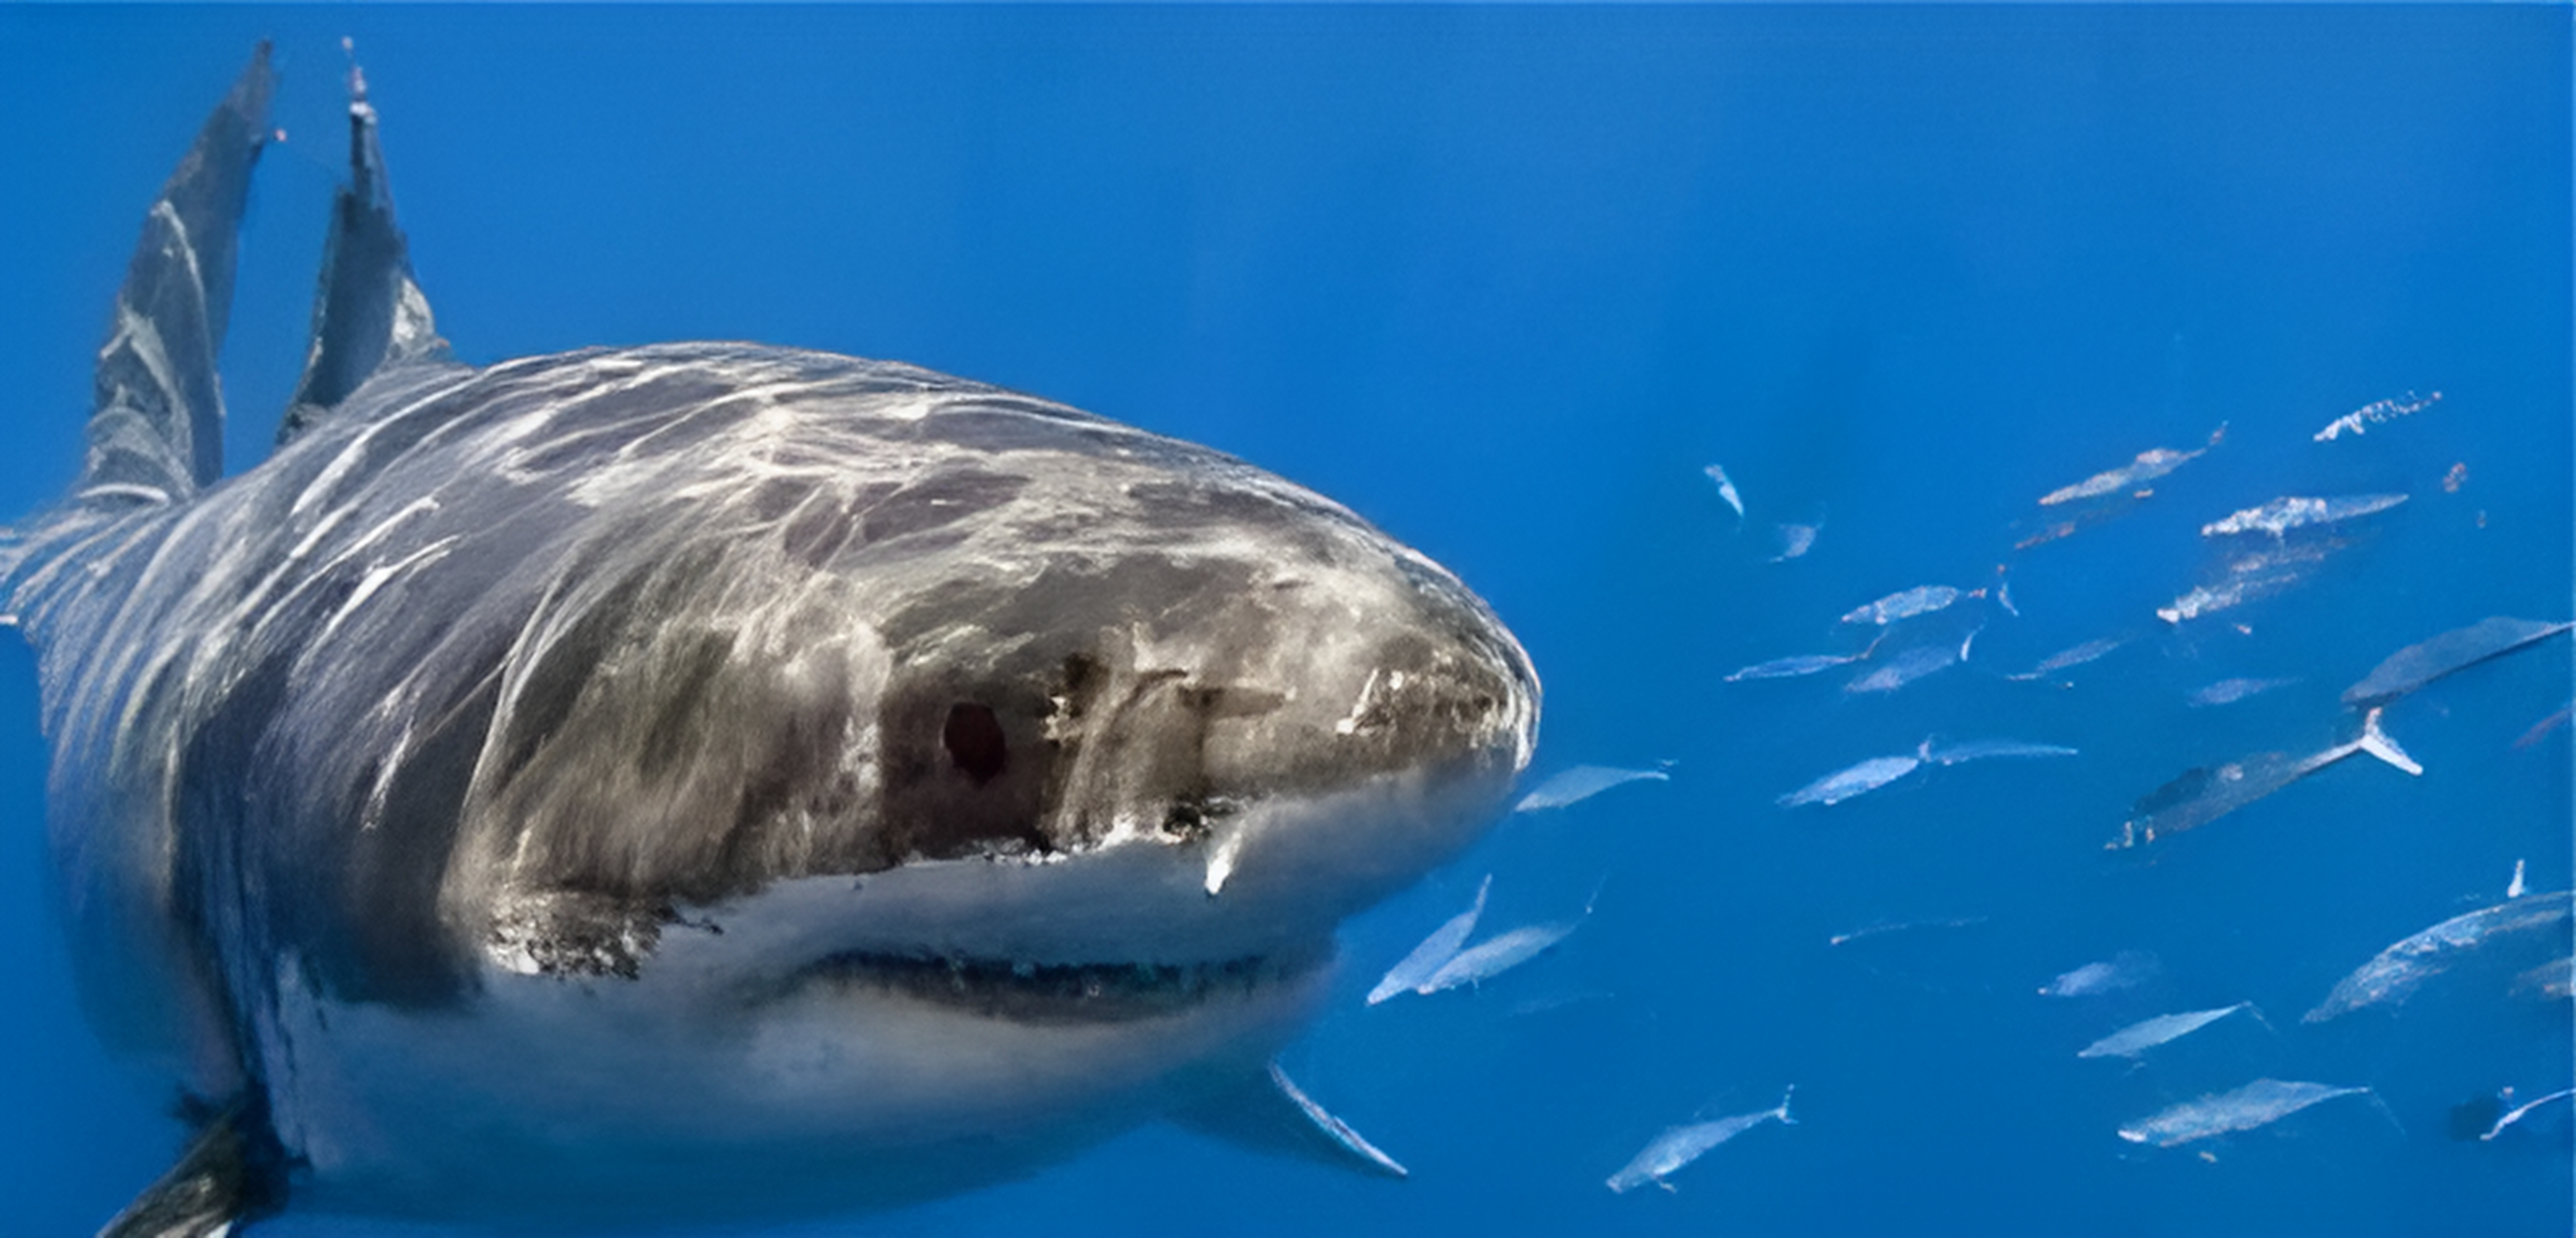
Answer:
[(1025, 991), (858, 1079)]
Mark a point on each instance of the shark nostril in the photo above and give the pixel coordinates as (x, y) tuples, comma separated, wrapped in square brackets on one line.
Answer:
[(973, 737)]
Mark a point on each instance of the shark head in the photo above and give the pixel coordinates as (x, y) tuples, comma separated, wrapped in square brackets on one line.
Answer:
[(1007, 767), (969, 626)]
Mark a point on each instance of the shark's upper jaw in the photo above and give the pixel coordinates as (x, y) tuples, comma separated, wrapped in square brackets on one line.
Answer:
[(1196, 745), (1110, 931)]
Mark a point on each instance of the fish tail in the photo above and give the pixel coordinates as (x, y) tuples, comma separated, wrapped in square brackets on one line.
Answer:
[(2257, 1012), (1783, 1110), (2377, 743), (2384, 1111)]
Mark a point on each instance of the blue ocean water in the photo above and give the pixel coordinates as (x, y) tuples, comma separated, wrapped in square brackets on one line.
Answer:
[(1504, 280)]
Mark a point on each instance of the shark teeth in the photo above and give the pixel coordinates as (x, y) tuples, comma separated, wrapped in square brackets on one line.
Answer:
[(1028, 991)]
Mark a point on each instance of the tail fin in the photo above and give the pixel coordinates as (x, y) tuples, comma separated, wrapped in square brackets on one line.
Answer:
[(1783, 1110), (2384, 1111), (156, 429), (2377, 743), (2257, 1012)]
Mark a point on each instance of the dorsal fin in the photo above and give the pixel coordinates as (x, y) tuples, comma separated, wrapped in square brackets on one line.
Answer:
[(369, 314), (156, 428)]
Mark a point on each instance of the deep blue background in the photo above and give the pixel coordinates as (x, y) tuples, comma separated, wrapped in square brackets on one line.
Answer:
[(1503, 280)]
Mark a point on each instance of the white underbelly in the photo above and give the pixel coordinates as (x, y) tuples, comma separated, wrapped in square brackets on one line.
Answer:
[(599, 1096)]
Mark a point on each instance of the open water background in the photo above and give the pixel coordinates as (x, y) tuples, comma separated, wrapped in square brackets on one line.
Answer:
[(1504, 280)]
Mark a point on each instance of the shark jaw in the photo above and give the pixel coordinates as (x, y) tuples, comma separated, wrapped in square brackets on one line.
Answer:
[(853, 1042), (859, 1080)]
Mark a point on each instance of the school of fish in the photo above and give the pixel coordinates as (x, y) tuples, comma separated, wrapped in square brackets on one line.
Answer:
[(1904, 637)]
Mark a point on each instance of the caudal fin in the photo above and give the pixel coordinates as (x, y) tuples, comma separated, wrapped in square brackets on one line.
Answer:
[(2256, 1012), (2377, 743)]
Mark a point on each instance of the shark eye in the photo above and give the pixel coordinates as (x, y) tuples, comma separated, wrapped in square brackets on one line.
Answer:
[(974, 741)]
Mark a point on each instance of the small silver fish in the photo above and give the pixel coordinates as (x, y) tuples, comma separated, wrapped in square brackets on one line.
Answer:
[(2146, 1034), (2148, 466), (1987, 749), (1859, 779), (2230, 691), (1498, 954), (1726, 490), (1434, 952), (1791, 667), (1553, 1002), (2397, 970), (2259, 1103), (2126, 970), (2519, 1111), (1582, 782), (2554, 979), (1681, 1145), (1905, 668), (1793, 541), (2373, 413), (2281, 515), (2425, 661), (1906, 604), (2199, 796), (2540, 730), (1883, 928), (2089, 651), (2206, 599), (2250, 576)]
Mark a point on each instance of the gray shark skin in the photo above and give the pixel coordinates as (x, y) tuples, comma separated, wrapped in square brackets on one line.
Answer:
[(701, 779)]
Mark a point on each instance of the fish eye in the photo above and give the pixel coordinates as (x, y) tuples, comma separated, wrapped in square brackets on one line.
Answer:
[(973, 737)]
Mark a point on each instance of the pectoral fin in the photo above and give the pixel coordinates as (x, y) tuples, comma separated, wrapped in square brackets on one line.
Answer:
[(1269, 1113), (232, 1173)]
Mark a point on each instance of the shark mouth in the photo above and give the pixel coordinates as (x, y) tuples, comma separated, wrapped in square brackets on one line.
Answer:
[(1024, 991)]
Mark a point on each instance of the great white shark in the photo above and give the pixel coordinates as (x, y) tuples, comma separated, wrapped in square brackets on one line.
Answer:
[(704, 779)]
